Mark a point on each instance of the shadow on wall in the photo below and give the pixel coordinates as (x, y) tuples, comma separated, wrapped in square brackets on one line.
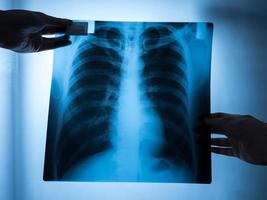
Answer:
[(236, 16), (240, 42)]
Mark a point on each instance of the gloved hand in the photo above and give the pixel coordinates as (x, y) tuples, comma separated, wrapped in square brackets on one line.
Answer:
[(21, 31), (246, 137)]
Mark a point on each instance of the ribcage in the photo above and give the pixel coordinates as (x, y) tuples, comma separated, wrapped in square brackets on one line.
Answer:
[(165, 81), (91, 99)]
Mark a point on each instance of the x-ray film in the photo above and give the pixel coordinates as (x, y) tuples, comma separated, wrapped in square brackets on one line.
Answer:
[(125, 101)]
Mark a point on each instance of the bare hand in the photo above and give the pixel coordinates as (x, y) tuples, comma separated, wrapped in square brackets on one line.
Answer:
[(21, 31), (246, 137)]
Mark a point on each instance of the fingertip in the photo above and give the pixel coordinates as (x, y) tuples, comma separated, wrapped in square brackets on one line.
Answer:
[(62, 43), (213, 121), (221, 115), (202, 129), (53, 43), (68, 22), (68, 42), (227, 151), (202, 117), (207, 121)]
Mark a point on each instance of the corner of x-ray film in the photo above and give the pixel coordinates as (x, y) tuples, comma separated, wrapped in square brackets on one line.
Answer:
[(81, 28), (125, 101)]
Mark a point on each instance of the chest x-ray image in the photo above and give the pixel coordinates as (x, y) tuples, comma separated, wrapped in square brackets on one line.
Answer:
[(124, 103)]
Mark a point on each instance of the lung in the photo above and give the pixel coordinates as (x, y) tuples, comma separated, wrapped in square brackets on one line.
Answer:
[(165, 83), (91, 99), (103, 80)]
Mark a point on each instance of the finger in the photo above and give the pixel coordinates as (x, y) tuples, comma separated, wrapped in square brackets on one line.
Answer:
[(53, 30), (54, 21), (221, 115), (52, 43), (203, 129), (222, 151), (217, 125), (223, 142)]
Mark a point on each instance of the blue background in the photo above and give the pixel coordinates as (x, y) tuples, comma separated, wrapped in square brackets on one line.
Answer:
[(238, 85)]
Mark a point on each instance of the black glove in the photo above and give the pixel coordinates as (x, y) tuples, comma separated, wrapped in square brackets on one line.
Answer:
[(21, 31)]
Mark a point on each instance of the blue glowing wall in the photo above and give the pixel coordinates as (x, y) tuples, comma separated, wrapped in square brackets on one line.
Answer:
[(124, 103)]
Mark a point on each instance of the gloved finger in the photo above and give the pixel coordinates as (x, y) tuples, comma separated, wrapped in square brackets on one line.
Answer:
[(58, 22), (203, 129), (221, 115), (217, 125), (53, 43), (53, 30), (223, 142), (225, 126), (223, 151)]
